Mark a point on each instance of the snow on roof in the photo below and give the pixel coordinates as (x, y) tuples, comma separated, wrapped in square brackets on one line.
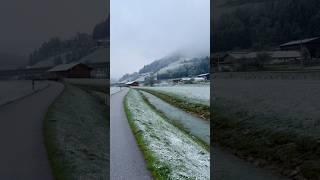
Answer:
[(98, 56), (205, 74), (43, 64), (185, 79), (131, 82), (286, 54), (63, 67), (273, 54), (302, 41)]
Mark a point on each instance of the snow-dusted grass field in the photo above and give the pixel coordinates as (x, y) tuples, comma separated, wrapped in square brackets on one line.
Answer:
[(191, 93), (170, 153), (85, 81), (296, 103), (193, 125), (93, 84), (114, 90), (11, 90), (274, 120), (76, 135)]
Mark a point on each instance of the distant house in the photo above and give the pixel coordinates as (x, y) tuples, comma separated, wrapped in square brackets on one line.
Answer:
[(142, 77), (232, 60), (176, 80), (132, 83), (98, 61), (71, 70), (311, 44), (206, 76)]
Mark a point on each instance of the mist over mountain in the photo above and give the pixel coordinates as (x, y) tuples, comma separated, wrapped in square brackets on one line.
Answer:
[(175, 65), (261, 24), (25, 25), (12, 61)]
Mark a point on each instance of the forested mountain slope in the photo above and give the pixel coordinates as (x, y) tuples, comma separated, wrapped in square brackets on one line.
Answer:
[(258, 24)]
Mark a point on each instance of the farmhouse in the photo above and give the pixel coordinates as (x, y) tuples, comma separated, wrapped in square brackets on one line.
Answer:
[(206, 76), (276, 57), (71, 70), (132, 83), (98, 60), (312, 45)]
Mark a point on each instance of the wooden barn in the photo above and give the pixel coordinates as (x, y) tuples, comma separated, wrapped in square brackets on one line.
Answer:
[(71, 70), (311, 44), (132, 83), (206, 76)]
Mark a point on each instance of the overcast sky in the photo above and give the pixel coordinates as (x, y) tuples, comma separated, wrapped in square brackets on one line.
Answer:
[(145, 30), (25, 24)]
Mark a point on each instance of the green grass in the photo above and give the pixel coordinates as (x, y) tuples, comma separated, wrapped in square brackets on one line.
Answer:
[(197, 109), (179, 126), (159, 170), (76, 136), (281, 147)]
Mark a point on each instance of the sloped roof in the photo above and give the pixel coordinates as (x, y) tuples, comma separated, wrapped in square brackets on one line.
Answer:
[(63, 67), (239, 55), (273, 54), (100, 55), (286, 54), (49, 62), (43, 64), (301, 41), (205, 74), (131, 82)]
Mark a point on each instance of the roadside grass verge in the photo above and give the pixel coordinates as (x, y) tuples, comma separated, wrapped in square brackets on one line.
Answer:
[(169, 152), (76, 136), (265, 141), (98, 88), (176, 124), (152, 163), (197, 109)]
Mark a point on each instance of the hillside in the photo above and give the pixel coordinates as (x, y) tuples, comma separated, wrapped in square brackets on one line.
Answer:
[(260, 24), (56, 51), (174, 66), (161, 63), (184, 68)]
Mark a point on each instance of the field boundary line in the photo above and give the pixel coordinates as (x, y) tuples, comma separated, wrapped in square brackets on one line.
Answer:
[(24, 96)]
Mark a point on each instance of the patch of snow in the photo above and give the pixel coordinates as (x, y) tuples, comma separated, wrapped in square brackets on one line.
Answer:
[(198, 94), (175, 65), (172, 147), (192, 124)]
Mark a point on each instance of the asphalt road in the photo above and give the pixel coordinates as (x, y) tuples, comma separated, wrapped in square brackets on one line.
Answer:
[(126, 159), (22, 152)]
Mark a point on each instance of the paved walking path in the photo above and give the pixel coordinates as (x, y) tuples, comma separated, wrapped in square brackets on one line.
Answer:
[(22, 152), (126, 159)]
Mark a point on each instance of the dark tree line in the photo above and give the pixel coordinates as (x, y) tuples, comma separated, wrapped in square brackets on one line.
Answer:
[(267, 25), (198, 66), (72, 49), (102, 30)]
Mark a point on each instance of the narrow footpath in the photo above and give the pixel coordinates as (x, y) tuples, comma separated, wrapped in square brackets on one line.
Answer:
[(126, 159), (22, 153)]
